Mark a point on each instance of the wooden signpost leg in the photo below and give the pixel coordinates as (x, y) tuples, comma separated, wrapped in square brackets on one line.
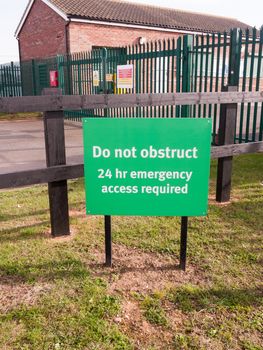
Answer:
[(183, 244), (108, 241)]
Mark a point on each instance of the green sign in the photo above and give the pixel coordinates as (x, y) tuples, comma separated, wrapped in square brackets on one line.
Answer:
[(153, 167)]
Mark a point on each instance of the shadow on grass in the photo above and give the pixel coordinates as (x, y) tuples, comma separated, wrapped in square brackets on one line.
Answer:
[(187, 298), (245, 214), (248, 169), (7, 217), (192, 298), (102, 270), (17, 273), (22, 233)]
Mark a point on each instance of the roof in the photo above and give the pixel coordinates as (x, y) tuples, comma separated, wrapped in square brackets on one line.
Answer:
[(134, 13), (124, 12)]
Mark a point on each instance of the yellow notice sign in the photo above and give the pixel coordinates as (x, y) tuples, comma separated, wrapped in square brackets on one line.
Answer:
[(109, 78), (96, 78), (125, 76)]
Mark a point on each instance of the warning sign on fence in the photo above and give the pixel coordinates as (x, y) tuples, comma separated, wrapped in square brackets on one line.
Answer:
[(157, 167), (109, 78), (125, 76), (96, 78)]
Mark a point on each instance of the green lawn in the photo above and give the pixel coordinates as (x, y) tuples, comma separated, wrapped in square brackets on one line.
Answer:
[(56, 293)]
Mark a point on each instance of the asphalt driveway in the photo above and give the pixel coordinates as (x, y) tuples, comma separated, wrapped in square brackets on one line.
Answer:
[(22, 145)]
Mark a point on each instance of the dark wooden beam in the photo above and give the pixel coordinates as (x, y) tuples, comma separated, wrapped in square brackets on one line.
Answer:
[(67, 172), (41, 176), (226, 136), (236, 149), (76, 102)]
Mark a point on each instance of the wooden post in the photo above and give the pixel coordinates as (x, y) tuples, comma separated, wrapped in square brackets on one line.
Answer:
[(56, 155), (226, 136)]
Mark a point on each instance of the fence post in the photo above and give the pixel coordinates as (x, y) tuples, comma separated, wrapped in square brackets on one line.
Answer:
[(186, 70), (12, 79), (178, 72), (56, 155), (226, 136), (104, 55), (234, 57), (33, 66)]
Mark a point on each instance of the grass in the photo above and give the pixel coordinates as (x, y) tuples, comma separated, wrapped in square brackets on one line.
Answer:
[(19, 116), (54, 295), (153, 311), (71, 307), (182, 341)]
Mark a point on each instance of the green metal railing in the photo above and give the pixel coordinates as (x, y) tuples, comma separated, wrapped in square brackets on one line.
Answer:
[(10, 80), (234, 60), (154, 72), (35, 75), (200, 63)]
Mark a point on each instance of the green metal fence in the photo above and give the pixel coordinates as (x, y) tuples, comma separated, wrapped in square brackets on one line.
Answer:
[(10, 80), (233, 60), (35, 75), (76, 75), (200, 63), (154, 72)]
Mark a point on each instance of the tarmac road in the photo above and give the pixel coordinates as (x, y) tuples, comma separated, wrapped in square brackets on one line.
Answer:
[(22, 145)]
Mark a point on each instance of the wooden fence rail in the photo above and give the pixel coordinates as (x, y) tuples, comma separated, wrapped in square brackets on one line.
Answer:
[(57, 172), (74, 171), (76, 102)]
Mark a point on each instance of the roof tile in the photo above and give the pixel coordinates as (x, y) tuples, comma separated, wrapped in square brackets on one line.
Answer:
[(134, 13)]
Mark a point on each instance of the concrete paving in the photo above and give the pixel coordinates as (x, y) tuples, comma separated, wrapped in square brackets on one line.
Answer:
[(22, 145)]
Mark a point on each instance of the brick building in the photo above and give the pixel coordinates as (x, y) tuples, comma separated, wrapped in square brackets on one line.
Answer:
[(51, 27)]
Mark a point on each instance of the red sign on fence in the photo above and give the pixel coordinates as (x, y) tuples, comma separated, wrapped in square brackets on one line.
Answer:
[(53, 78)]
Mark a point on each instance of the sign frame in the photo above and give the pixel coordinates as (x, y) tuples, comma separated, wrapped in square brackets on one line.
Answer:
[(147, 167)]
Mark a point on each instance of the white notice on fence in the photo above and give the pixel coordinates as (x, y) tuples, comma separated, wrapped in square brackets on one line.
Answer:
[(125, 76), (96, 78)]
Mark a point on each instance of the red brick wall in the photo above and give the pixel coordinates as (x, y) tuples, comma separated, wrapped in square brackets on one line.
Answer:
[(43, 34), (82, 36)]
